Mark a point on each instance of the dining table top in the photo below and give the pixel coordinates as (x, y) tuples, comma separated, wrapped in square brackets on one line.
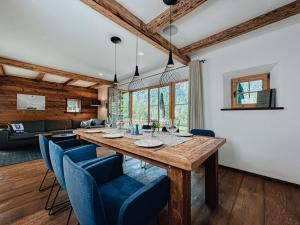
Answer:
[(188, 155)]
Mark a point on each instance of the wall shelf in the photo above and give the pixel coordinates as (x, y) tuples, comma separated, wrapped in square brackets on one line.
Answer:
[(239, 109)]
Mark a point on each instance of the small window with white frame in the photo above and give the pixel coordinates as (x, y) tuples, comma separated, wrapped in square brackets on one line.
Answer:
[(73, 105)]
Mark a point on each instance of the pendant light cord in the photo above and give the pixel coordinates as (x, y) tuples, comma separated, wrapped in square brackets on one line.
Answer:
[(170, 28), (136, 50), (115, 58)]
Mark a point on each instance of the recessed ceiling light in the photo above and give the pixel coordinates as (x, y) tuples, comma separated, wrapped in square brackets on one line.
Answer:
[(141, 53), (100, 74)]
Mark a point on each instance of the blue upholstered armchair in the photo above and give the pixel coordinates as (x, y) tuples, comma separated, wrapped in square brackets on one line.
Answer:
[(82, 156), (201, 132), (101, 194), (44, 148)]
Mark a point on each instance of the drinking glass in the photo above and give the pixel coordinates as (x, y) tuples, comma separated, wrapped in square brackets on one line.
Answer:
[(171, 127), (108, 122)]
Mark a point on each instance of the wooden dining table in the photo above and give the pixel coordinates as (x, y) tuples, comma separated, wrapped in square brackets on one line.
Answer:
[(179, 161)]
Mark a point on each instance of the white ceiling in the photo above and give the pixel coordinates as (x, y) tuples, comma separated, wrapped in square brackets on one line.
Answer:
[(70, 36), (217, 15), (54, 78), (19, 72), (143, 9)]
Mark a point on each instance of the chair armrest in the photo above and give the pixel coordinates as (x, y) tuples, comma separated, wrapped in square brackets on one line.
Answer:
[(145, 204), (106, 169), (82, 153), (71, 143)]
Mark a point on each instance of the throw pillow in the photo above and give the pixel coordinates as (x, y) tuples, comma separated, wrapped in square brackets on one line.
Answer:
[(17, 127)]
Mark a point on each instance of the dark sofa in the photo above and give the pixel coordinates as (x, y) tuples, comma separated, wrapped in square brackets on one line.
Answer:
[(9, 139)]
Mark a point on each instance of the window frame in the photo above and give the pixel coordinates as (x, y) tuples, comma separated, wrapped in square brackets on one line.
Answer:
[(79, 101), (171, 100), (265, 86)]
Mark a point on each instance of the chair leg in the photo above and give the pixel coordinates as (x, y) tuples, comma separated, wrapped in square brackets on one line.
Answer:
[(50, 193), (41, 185), (64, 205), (69, 217)]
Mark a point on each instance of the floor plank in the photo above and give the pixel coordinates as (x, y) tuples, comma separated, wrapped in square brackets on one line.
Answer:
[(244, 199)]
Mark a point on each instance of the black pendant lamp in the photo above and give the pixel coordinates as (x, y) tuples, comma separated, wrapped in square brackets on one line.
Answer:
[(168, 76), (136, 82), (115, 40)]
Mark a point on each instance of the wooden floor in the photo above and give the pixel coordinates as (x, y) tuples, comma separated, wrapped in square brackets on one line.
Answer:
[(244, 199)]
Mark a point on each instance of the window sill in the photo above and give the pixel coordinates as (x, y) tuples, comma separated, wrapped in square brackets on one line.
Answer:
[(239, 109)]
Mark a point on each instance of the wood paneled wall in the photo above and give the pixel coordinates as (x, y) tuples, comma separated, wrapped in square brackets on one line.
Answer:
[(56, 95)]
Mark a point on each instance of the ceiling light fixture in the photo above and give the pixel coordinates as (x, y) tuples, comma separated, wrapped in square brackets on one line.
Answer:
[(141, 54), (136, 82), (115, 40), (168, 76), (100, 74)]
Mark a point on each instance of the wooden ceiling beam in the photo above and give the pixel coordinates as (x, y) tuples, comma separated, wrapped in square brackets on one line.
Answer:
[(94, 86), (124, 18), (40, 76), (43, 69), (2, 71), (70, 82), (182, 8), (246, 27)]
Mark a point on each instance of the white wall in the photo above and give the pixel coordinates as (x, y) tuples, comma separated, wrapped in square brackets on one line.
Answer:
[(262, 142)]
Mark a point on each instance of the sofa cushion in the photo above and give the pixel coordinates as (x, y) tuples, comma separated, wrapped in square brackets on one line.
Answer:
[(21, 136), (98, 122), (34, 126), (51, 125), (76, 124)]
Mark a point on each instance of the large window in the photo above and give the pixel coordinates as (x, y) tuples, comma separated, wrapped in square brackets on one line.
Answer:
[(181, 105), (244, 90), (164, 104), (125, 105), (154, 104), (118, 105), (140, 106)]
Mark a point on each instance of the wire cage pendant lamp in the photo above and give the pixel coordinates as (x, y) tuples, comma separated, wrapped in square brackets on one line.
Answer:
[(115, 40), (168, 76), (136, 82)]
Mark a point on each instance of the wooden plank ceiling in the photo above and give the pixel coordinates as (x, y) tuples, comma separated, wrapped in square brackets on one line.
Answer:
[(148, 32), (42, 71)]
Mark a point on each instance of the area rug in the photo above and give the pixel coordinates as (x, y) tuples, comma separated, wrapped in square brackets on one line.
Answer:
[(14, 156)]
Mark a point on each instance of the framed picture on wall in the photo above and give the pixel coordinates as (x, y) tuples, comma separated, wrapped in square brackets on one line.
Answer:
[(31, 102)]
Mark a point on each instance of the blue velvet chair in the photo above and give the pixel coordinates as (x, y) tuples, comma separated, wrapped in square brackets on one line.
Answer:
[(44, 148), (201, 132), (101, 194), (83, 156)]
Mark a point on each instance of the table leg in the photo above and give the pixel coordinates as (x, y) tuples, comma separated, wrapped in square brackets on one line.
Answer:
[(179, 206), (211, 181)]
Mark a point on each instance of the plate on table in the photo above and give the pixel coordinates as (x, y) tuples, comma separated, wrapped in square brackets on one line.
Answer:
[(112, 136), (93, 131), (184, 134), (147, 143)]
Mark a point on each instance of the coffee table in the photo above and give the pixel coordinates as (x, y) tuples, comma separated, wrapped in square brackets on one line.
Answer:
[(63, 136)]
